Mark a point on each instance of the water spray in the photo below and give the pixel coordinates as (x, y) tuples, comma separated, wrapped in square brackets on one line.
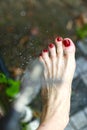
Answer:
[(31, 83)]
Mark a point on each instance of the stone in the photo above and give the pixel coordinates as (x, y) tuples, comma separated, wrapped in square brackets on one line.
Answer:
[(85, 128), (84, 78), (69, 127), (83, 46), (82, 63), (79, 120), (85, 110), (81, 66)]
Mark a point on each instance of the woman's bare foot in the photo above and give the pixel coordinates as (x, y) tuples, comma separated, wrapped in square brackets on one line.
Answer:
[(59, 62)]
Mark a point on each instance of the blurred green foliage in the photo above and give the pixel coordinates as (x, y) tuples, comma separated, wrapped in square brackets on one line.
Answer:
[(12, 86), (82, 32)]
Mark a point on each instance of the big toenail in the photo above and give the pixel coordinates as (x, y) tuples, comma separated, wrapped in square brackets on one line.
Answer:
[(51, 45), (59, 39), (66, 43), (45, 50)]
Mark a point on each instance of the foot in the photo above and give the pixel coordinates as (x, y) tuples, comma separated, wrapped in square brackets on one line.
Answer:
[(59, 63)]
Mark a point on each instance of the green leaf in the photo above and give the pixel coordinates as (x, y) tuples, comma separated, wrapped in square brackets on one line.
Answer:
[(13, 89), (3, 78), (82, 32), (24, 126), (12, 85)]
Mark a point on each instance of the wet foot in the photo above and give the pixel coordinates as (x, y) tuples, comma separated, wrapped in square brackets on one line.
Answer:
[(59, 63)]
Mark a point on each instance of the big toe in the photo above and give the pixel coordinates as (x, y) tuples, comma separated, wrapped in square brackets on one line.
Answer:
[(69, 55), (68, 47)]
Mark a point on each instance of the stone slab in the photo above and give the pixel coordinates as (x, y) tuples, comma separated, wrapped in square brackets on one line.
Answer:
[(84, 128), (81, 66), (83, 45), (84, 78), (85, 110), (79, 120)]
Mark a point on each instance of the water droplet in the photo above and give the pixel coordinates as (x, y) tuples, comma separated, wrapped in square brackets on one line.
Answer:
[(24, 58), (22, 13), (20, 54), (47, 31)]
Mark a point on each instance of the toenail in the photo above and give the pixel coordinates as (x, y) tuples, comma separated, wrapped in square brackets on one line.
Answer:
[(45, 50), (51, 45), (59, 39), (66, 43)]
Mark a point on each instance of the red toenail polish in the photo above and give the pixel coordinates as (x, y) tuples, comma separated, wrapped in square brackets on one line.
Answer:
[(40, 54), (51, 45), (66, 43), (45, 50), (59, 39)]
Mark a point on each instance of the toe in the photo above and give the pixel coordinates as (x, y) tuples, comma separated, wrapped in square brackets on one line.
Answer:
[(52, 50), (45, 66), (69, 55), (68, 47), (41, 59), (47, 61), (45, 56), (59, 46), (53, 57), (58, 42)]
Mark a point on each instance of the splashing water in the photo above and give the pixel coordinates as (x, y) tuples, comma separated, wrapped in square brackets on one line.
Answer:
[(31, 83)]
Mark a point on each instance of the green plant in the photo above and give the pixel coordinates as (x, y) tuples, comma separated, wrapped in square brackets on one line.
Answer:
[(82, 32), (12, 86)]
